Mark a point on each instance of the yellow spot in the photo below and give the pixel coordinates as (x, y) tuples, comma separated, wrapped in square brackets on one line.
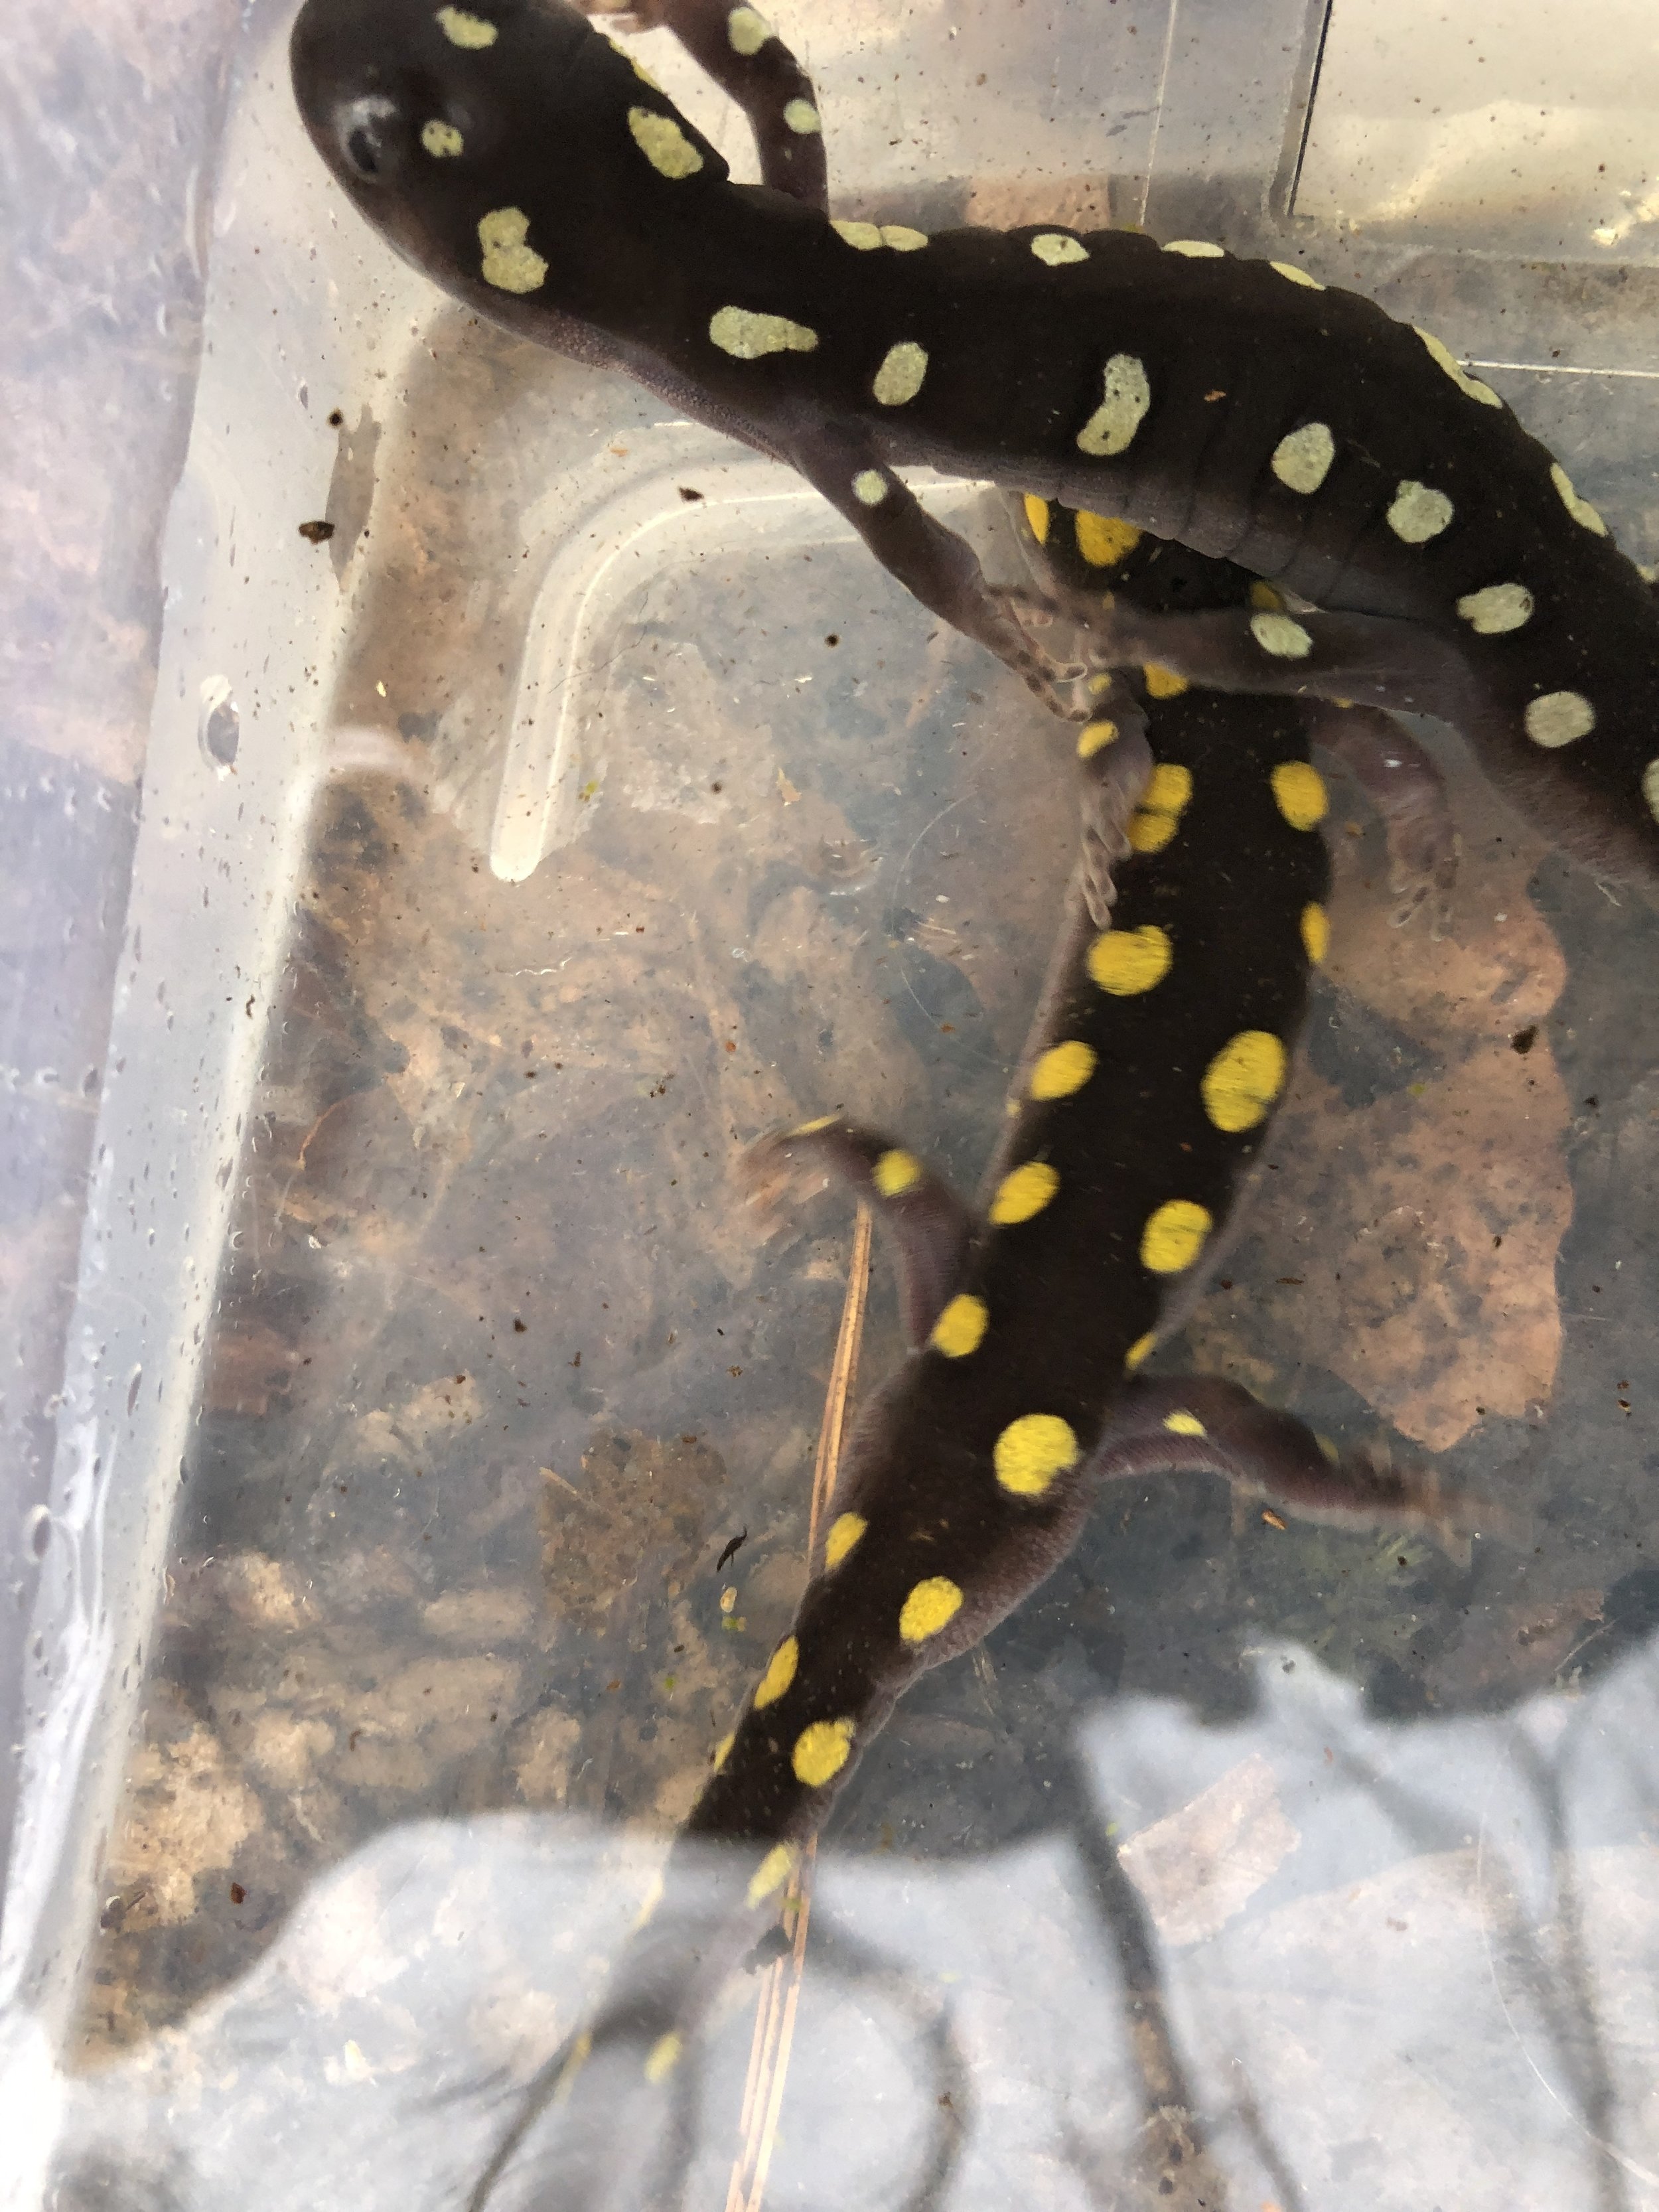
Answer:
[(844, 1532), (667, 148), (821, 1752), (1104, 540), (723, 1750), (1329, 1449), (773, 1870), (930, 1606), (1241, 1082), (729, 1598), (1113, 425), (901, 374), (471, 33), (1315, 931), (1063, 1069), (580, 2051), (779, 1674), (649, 1902), (1296, 276), (1184, 1424), (869, 487), (1093, 736), (663, 2056), (1163, 683), (1418, 513), (440, 140), (1454, 369), (1169, 788), (901, 239), (1055, 248), (1650, 787), (1141, 1351), (636, 65), (746, 334), (1024, 1193), (1036, 517), (812, 1128), (895, 1172), (1558, 717), (1031, 1451), (1500, 607), (1265, 598), (863, 237), (1127, 961), (747, 30), (1299, 792), (1302, 460), (961, 1327), (508, 263), (1580, 509), (1282, 636), (1173, 1237), (802, 117), (1198, 249)]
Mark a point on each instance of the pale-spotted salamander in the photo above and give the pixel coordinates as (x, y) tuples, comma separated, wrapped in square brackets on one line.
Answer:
[(1195, 919), (527, 166)]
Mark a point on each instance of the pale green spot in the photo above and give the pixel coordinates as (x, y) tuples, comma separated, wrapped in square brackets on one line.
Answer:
[(900, 376), (746, 334), (663, 143)]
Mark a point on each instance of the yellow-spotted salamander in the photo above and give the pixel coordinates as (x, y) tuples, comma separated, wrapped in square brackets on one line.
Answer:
[(526, 164), (1195, 919)]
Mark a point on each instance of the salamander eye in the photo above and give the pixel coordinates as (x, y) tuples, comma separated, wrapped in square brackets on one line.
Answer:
[(371, 135)]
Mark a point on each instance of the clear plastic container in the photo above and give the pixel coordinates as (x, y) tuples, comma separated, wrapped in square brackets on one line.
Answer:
[(395, 1356)]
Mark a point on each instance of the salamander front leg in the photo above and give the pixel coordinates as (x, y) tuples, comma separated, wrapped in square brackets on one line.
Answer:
[(1116, 761), (740, 50), (1205, 1424), (939, 567), (933, 1227)]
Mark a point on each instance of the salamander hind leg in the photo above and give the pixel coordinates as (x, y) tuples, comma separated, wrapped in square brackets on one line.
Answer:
[(1406, 787), (1376, 658), (933, 1227), (1205, 1424)]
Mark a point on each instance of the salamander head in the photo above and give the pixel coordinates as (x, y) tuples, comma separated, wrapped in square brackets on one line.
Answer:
[(499, 146)]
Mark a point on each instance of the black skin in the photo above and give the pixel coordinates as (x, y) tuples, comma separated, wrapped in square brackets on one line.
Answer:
[(635, 264), (732, 1548)]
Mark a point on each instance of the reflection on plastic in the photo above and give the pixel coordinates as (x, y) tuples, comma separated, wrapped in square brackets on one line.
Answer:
[(649, 527), (1421, 1963)]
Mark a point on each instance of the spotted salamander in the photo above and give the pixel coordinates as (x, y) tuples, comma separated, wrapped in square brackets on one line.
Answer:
[(525, 164), (1195, 919)]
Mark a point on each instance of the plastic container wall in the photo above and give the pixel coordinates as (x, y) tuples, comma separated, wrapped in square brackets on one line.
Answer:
[(511, 851)]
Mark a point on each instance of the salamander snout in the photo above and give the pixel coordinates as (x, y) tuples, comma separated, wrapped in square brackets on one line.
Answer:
[(362, 88)]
